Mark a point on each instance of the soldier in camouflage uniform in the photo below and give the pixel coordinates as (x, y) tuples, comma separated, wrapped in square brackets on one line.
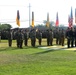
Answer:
[(33, 37), (75, 36), (10, 37), (57, 36), (39, 36), (62, 37), (16, 37), (51, 37), (48, 37), (69, 35), (0, 36), (26, 37), (19, 38)]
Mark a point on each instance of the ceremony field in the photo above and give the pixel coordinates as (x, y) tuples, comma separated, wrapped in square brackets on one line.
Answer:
[(37, 61)]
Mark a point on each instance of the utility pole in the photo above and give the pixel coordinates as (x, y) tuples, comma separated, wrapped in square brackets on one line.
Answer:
[(29, 14)]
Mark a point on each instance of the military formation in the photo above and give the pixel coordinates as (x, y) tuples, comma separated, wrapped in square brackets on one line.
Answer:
[(22, 36)]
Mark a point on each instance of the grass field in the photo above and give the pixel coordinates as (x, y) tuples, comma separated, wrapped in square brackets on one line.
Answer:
[(35, 61)]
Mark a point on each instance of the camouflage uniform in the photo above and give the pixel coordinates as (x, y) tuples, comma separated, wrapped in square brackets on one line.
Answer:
[(75, 36), (33, 37), (48, 37), (39, 36), (10, 37), (57, 36), (51, 37), (62, 37), (16, 37), (26, 37), (0, 36), (19, 38), (69, 35)]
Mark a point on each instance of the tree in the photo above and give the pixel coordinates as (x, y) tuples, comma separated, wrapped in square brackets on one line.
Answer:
[(51, 24), (5, 26)]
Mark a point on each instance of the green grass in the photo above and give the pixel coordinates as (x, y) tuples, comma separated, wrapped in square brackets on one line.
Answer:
[(34, 61)]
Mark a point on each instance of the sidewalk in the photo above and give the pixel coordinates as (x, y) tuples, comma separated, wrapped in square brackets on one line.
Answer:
[(57, 47)]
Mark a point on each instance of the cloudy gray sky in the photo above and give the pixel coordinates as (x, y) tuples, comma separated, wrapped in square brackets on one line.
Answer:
[(8, 11)]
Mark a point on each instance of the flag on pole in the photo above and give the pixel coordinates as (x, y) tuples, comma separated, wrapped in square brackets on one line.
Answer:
[(75, 15), (47, 23), (18, 18), (32, 19), (71, 19), (57, 19)]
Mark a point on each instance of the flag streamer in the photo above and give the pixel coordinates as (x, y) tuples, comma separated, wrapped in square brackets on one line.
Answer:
[(33, 19), (18, 18), (47, 23)]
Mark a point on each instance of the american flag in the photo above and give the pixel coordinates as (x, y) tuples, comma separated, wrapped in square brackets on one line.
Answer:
[(57, 19), (71, 19)]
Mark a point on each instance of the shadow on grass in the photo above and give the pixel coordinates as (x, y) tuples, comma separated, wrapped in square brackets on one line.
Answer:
[(8, 48), (51, 50), (11, 48), (15, 48)]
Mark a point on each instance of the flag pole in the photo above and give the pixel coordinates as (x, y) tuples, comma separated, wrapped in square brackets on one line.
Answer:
[(29, 13)]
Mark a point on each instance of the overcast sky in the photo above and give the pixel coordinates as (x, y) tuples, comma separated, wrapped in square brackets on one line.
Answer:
[(8, 11)]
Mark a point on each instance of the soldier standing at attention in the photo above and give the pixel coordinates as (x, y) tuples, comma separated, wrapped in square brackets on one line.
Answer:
[(62, 37), (33, 37), (0, 36), (51, 37), (69, 37), (17, 37), (39, 36), (75, 36), (48, 37), (10, 37), (21, 37), (72, 37), (26, 37), (57, 36)]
